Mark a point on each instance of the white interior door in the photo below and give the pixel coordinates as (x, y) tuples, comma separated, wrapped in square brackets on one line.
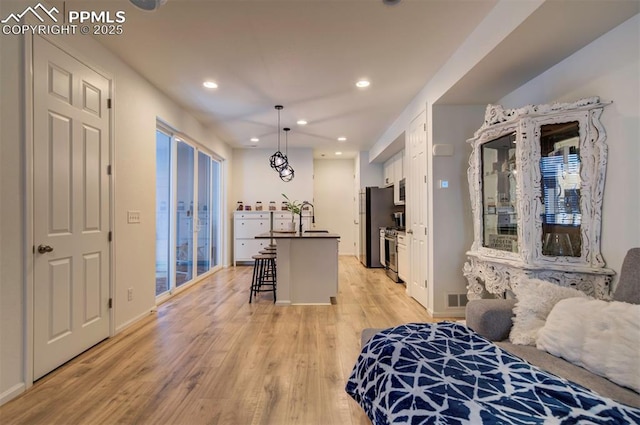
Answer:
[(71, 207), (417, 211)]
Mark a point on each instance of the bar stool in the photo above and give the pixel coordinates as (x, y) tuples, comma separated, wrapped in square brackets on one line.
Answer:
[(264, 275)]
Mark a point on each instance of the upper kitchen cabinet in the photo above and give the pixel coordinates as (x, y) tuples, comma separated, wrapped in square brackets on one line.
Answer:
[(393, 173), (388, 172), (536, 180)]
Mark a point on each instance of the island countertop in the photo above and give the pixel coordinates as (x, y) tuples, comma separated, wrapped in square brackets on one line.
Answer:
[(279, 234)]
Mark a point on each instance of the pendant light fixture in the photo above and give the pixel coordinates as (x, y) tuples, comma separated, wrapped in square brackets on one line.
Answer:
[(287, 173), (278, 160)]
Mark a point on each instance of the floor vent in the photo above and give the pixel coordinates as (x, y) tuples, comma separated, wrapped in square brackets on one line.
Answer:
[(456, 300)]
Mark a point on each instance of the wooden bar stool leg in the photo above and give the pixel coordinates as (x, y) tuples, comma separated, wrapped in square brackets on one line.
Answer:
[(272, 263), (254, 280)]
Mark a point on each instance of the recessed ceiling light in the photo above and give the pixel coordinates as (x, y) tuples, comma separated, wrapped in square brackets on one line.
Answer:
[(338, 153), (255, 139), (301, 122), (362, 84), (210, 85), (342, 139)]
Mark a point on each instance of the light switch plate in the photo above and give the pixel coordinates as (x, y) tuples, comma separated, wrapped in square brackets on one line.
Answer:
[(133, 217)]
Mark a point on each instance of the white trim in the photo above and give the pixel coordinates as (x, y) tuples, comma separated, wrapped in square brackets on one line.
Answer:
[(446, 314), (13, 392), (28, 208), (136, 319)]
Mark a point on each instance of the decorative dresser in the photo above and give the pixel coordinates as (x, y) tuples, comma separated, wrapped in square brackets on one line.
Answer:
[(536, 178)]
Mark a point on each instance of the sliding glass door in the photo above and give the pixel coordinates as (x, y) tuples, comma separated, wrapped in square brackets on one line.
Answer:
[(188, 211), (204, 208), (163, 207), (185, 172), (216, 220)]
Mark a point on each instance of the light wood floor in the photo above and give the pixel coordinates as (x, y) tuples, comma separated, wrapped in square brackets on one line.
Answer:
[(209, 357)]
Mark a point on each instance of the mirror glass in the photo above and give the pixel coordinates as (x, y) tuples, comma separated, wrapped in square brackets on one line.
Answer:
[(560, 173), (499, 194)]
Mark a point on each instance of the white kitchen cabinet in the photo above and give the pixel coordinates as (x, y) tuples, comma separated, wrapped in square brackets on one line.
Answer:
[(393, 169), (398, 167), (388, 172), (246, 225), (282, 221), (403, 257), (398, 174)]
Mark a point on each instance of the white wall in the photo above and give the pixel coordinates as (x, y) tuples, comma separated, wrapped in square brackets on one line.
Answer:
[(501, 21), (137, 105), (368, 173), (254, 180), (609, 67), (334, 200), (12, 307), (452, 227)]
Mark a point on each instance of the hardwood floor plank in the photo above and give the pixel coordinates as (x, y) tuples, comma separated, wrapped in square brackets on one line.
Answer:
[(207, 356)]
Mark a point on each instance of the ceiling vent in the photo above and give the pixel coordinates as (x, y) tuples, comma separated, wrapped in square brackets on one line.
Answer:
[(148, 5)]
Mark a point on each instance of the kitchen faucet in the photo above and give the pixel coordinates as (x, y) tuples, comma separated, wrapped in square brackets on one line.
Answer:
[(313, 214)]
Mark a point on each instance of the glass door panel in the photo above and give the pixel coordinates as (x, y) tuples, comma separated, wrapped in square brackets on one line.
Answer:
[(163, 201), (215, 213), (204, 211), (560, 170), (184, 213), (499, 194)]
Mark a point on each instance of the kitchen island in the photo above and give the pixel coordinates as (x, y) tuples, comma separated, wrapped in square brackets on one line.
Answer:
[(307, 266)]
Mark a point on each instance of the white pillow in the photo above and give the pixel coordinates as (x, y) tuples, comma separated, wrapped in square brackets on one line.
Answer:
[(601, 336), (536, 298)]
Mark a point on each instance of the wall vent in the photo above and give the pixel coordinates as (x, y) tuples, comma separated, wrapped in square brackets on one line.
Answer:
[(457, 300)]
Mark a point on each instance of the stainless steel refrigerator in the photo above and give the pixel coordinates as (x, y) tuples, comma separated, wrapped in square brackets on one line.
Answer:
[(376, 211)]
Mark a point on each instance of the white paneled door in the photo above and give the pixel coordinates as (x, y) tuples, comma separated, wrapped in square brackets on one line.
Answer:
[(71, 207), (417, 212)]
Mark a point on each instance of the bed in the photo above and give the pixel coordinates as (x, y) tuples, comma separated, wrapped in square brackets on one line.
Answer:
[(444, 373)]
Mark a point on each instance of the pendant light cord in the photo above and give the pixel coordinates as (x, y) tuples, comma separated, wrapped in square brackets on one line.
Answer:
[(279, 108)]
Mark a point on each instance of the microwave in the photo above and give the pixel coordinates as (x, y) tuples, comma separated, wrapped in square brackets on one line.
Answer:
[(401, 190)]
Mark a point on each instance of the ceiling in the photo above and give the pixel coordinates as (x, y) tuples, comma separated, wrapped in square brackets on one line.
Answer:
[(307, 56)]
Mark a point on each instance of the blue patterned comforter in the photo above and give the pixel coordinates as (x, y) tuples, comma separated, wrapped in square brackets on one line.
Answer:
[(445, 373)]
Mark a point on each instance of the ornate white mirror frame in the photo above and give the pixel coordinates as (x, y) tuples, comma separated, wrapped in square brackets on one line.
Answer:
[(495, 271)]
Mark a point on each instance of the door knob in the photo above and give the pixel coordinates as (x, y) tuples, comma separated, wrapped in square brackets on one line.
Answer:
[(44, 249)]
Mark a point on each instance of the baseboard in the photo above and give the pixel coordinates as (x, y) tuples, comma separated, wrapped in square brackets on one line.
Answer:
[(12, 393), (136, 319), (454, 313)]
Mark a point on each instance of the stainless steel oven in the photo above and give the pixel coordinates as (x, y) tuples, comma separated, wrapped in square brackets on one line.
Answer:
[(391, 253)]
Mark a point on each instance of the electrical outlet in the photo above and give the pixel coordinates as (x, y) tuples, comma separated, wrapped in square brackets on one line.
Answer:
[(130, 294), (133, 217)]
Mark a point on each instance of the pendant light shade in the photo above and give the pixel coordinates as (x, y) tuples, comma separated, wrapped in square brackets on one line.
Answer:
[(286, 173), (278, 161)]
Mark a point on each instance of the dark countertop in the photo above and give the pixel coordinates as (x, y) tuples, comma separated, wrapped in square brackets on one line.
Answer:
[(278, 234)]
